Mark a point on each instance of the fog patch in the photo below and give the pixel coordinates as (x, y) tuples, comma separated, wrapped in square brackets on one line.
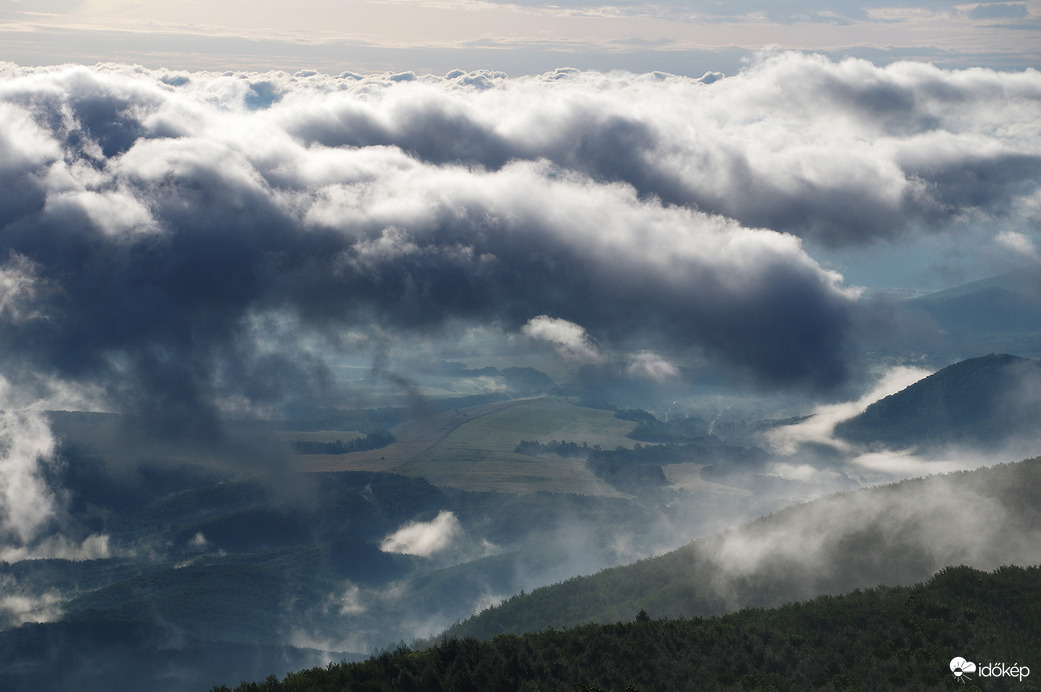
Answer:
[(907, 463), (646, 364), (349, 601), (1018, 243), (570, 339), (17, 606), (198, 541), (886, 535), (424, 539), (819, 428), (804, 473)]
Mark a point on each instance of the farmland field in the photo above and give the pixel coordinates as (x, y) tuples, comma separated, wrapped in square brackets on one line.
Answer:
[(472, 448)]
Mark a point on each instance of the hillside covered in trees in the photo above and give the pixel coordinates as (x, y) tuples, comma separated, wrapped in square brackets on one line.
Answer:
[(894, 534), (982, 402), (897, 638)]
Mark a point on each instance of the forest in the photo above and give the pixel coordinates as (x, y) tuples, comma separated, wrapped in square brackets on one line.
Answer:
[(897, 638)]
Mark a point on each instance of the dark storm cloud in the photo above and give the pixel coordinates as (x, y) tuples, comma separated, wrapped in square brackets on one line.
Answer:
[(155, 227), (158, 224), (842, 153)]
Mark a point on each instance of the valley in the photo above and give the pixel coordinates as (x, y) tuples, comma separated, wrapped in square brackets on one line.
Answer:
[(473, 448), (508, 515)]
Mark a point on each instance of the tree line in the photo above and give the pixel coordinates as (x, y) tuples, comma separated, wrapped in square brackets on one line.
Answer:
[(899, 638), (374, 440)]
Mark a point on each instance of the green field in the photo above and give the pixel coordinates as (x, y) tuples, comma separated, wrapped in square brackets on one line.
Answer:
[(472, 448), (318, 435), (545, 419)]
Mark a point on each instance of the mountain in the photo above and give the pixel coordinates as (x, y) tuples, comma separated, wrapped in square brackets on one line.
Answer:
[(205, 576), (897, 638), (894, 534), (218, 581), (1005, 304), (983, 402), (999, 314), (206, 573)]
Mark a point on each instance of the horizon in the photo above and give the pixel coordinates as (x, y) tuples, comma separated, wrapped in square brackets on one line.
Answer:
[(520, 38)]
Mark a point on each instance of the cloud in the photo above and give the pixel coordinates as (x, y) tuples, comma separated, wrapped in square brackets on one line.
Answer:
[(844, 153), (59, 546), (570, 339), (18, 606), (939, 521), (652, 366), (168, 217), (158, 224), (27, 504), (999, 10), (819, 427), (424, 538), (1019, 243), (20, 285)]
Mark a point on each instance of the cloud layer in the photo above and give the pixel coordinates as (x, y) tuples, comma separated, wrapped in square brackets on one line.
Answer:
[(170, 239)]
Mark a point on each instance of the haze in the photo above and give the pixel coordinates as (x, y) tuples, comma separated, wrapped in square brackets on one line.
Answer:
[(405, 242)]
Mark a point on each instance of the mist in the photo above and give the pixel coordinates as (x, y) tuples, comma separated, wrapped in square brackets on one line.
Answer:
[(213, 284), (163, 221)]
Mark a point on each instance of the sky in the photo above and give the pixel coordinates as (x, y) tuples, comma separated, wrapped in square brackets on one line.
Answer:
[(525, 37), (433, 38), (675, 163), (158, 222)]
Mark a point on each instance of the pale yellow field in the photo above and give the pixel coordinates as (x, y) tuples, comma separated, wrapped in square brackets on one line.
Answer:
[(472, 449)]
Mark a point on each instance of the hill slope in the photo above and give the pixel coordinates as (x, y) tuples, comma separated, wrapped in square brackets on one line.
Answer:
[(997, 314), (883, 638), (895, 534), (981, 401), (1006, 304)]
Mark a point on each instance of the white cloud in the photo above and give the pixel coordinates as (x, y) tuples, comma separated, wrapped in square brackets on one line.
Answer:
[(58, 546), (819, 428), (569, 338), (116, 214), (166, 213), (652, 366), (26, 502), (1018, 243), (20, 285), (424, 538), (17, 606)]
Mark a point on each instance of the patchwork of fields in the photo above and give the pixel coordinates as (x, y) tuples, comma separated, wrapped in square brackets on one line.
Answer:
[(472, 449)]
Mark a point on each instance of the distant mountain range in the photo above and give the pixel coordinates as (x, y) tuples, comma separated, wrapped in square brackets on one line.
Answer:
[(982, 402), (1005, 304), (1000, 314)]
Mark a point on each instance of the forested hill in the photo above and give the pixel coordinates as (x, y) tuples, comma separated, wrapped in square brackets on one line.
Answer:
[(896, 638), (982, 401), (895, 534)]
